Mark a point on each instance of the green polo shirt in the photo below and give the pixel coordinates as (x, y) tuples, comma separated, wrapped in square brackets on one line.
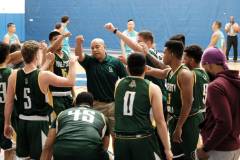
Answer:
[(102, 76)]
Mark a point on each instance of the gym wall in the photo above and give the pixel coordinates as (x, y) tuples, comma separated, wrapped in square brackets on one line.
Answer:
[(164, 18)]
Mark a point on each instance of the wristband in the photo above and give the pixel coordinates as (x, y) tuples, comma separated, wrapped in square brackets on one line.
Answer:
[(115, 30)]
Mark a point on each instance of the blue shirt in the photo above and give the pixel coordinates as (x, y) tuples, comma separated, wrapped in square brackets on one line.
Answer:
[(220, 41), (12, 38), (133, 36), (65, 45)]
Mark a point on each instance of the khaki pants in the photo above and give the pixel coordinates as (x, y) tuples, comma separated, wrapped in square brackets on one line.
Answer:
[(108, 110), (224, 155)]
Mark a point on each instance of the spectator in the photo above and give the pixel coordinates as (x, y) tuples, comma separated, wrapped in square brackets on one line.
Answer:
[(11, 37), (221, 128), (231, 29), (131, 33)]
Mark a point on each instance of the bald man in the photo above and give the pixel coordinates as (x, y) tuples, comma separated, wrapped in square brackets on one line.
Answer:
[(102, 72)]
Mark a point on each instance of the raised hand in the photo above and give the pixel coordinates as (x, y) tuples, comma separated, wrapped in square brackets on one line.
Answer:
[(122, 59), (109, 27), (79, 39), (73, 60), (43, 45), (50, 56), (144, 47)]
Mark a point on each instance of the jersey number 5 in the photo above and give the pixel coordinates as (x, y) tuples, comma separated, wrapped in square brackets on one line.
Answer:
[(27, 100), (128, 103)]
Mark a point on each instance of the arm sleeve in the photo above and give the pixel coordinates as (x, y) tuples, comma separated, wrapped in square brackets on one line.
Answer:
[(220, 109)]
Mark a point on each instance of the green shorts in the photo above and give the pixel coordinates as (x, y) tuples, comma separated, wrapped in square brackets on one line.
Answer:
[(4, 142), (31, 137), (62, 103), (14, 119), (143, 148), (190, 135), (64, 150)]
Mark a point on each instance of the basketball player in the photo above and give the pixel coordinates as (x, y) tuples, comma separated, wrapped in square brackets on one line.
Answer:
[(81, 133), (134, 97), (185, 115), (30, 86)]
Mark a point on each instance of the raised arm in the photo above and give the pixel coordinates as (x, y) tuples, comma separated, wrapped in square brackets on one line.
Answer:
[(156, 62), (123, 48), (157, 108), (43, 48), (79, 48), (47, 78), (49, 60), (15, 58), (132, 44), (157, 73), (56, 44)]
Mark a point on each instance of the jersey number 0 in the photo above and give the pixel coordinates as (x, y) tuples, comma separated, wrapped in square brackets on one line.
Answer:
[(128, 103)]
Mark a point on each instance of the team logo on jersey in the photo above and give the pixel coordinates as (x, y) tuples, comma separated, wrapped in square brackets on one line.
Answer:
[(132, 84), (205, 77), (110, 69), (62, 64), (171, 87), (26, 81)]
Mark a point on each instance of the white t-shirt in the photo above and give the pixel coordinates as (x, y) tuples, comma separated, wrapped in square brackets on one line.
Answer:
[(231, 28)]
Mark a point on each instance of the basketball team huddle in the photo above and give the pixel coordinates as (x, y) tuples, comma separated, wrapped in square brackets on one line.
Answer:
[(153, 107)]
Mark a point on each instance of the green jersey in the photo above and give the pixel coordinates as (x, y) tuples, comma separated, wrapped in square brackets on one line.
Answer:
[(157, 81), (132, 106), (174, 101), (81, 124), (60, 68), (29, 98), (201, 81), (4, 74)]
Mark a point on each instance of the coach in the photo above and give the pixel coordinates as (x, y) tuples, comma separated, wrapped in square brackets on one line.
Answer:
[(102, 72)]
